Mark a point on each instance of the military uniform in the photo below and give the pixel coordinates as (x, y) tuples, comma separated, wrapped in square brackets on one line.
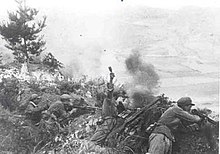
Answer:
[(109, 121), (58, 110), (109, 108), (160, 141), (33, 110), (108, 115)]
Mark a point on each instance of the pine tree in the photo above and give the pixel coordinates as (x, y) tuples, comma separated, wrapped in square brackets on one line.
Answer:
[(1, 58), (51, 62), (21, 33)]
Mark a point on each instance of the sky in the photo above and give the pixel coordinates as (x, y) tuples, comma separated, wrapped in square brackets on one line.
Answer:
[(97, 6), (79, 27)]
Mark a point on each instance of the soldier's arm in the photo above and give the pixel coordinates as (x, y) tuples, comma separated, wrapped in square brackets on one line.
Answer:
[(36, 109), (63, 113), (29, 109), (184, 115)]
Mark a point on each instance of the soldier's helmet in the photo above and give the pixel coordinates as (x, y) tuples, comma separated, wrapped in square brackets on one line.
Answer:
[(65, 97), (34, 96), (184, 101), (43, 88)]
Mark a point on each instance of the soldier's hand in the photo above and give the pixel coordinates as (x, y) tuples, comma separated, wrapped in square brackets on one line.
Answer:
[(194, 111), (72, 111), (100, 122), (112, 75)]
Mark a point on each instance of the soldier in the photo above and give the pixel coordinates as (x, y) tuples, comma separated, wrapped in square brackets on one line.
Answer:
[(109, 114), (33, 110), (160, 141), (59, 108), (100, 96), (122, 101)]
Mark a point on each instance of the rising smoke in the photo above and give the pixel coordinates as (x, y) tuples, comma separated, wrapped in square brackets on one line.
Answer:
[(143, 74), (145, 79)]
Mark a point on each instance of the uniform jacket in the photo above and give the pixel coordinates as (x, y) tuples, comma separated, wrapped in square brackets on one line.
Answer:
[(57, 109), (108, 108), (170, 120), (33, 112)]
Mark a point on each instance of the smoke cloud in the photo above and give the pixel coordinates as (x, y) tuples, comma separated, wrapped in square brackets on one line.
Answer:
[(143, 74), (145, 80)]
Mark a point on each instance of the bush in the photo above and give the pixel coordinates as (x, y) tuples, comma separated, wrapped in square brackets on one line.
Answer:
[(18, 135)]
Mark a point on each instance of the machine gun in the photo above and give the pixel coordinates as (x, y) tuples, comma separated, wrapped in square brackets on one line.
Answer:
[(204, 117)]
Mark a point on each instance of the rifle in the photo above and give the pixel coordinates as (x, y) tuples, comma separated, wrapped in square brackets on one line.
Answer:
[(203, 116), (207, 129), (86, 107), (19, 116), (134, 117), (71, 116)]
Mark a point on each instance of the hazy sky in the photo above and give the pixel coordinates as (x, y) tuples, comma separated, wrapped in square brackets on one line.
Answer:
[(77, 28), (97, 6)]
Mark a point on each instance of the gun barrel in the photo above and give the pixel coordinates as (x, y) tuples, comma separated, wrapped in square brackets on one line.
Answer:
[(86, 107), (206, 117), (212, 121)]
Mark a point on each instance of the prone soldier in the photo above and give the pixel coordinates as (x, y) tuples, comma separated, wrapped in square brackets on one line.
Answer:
[(33, 110), (59, 108)]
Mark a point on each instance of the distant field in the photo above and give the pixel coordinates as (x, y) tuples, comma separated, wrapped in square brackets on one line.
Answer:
[(203, 94), (177, 80)]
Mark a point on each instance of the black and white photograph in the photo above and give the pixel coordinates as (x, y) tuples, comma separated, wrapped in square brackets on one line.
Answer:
[(109, 76)]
